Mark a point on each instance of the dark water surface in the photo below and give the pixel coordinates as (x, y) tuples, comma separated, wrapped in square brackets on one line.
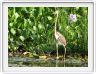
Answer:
[(33, 62)]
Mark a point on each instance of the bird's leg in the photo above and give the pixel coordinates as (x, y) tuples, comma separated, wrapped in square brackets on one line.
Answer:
[(64, 55), (57, 55), (57, 50)]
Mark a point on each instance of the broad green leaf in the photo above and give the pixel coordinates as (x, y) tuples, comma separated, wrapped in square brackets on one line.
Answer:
[(49, 18), (13, 31), (11, 39), (10, 24), (16, 15), (22, 38), (34, 28)]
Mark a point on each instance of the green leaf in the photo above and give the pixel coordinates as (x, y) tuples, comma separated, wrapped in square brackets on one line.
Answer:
[(16, 15), (49, 18), (11, 39), (13, 31), (22, 38), (10, 24), (34, 28)]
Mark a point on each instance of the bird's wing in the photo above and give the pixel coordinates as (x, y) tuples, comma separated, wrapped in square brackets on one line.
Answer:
[(61, 39)]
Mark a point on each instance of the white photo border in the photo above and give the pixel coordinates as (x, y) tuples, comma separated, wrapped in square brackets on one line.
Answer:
[(90, 67), (94, 37), (48, 73), (0, 39), (47, 1)]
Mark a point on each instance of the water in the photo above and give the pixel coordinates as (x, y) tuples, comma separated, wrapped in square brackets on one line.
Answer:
[(50, 62)]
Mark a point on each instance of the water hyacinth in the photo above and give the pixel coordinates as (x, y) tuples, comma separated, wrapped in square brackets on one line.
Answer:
[(72, 18)]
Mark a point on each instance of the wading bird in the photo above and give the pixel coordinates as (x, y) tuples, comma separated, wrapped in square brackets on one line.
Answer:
[(59, 38)]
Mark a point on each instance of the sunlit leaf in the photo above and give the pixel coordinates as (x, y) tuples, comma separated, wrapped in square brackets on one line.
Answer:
[(16, 15), (49, 18), (13, 31), (10, 24), (11, 39), (34, 28), (22, 38)]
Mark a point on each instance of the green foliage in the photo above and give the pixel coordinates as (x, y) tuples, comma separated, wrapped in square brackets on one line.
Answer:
[(33, 28)]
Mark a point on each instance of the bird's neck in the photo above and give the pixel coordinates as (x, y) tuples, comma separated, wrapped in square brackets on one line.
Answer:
[(56, 21), (55, 28)]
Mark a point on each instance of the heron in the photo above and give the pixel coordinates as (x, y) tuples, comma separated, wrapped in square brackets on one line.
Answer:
[(59, 38)]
